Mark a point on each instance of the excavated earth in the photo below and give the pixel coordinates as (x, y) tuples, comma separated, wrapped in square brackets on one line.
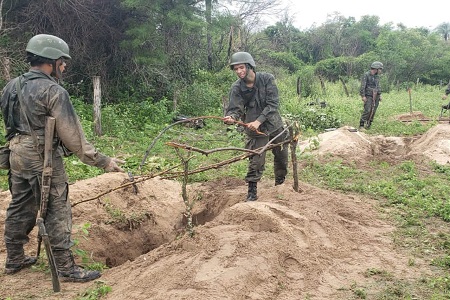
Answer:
[(312, 244)]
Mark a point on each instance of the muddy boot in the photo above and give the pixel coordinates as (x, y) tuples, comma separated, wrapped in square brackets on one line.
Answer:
[(69, 271), (361, 125), (16, 259), (279, 180), (252, 190)]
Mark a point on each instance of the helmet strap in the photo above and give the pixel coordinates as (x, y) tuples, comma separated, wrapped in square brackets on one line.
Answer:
[(248, 67)]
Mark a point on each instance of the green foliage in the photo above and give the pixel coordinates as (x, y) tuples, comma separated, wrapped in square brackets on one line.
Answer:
[(97, 292), (206, 94), (333, 68), (309, 83), (314, 117), (285, 60)]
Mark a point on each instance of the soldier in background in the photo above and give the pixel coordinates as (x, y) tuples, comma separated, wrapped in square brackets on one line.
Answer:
[(25, 124), (370, 93)]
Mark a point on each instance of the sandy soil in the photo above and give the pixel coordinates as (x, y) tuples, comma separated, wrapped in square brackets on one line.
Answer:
[(312, 244)]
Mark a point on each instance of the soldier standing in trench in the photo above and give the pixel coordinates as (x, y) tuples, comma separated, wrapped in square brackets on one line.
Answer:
[(254, 97), (25, 123), (370, 93)]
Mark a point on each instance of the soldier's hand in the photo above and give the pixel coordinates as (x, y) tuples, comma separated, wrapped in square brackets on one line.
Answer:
[(113, 165), (228, 120), (444, 97)]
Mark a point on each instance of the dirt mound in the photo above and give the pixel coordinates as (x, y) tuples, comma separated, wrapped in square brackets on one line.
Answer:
[(415, 115), (435, 144), (357, 146), (286, 245)]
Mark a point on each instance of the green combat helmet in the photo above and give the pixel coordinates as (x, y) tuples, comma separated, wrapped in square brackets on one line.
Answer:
[(48, 46), (376, 65), (242, 58)]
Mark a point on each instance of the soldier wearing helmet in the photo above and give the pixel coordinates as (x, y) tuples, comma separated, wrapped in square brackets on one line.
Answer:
[(370, 93), (254, 99), (26, 101)]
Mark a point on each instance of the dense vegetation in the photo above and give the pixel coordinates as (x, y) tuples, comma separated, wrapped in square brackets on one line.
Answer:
[(148, 51), (161, 58)]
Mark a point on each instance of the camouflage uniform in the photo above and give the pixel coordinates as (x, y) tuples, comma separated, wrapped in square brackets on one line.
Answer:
[(260, 103), (447, 90), (42, 96), (369, 83)]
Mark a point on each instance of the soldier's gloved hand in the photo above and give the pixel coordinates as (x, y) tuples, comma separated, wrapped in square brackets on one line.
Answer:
[(113, 165)]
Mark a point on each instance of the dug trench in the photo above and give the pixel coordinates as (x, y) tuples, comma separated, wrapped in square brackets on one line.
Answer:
[(131, 221), (316, 244), (137, 219)]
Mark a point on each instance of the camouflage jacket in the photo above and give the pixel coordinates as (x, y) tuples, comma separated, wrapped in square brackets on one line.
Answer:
[(447, 90), (259, 103), (43, 96), (369, 82)]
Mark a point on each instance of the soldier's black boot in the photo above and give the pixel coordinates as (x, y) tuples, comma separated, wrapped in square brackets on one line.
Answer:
[(16, 260), (361, 124), (69, 271), (252, 191), (279, 180)]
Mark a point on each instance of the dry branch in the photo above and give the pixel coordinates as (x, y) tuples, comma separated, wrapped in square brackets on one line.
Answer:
[(180, 122), (167, 174), (139, 179)]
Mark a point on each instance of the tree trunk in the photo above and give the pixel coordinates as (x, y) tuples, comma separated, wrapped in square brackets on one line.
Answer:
[(299, 88), (208, 5), (322, 84)]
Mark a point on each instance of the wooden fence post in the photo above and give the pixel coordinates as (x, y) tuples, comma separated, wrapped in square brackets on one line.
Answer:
[(299, 88), (97, 106)]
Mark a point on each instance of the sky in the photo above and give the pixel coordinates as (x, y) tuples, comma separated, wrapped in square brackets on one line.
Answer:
[(428, 14)]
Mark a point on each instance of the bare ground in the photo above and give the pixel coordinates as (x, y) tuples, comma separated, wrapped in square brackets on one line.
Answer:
[(314, 244)]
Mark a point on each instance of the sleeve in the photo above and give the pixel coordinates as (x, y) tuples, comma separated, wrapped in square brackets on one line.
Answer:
[(362, 89), (236, 103), (69, 130), (272, 100)]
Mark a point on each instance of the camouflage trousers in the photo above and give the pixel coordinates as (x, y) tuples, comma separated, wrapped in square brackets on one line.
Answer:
[(25, 177), (256, 164), (370, 108)]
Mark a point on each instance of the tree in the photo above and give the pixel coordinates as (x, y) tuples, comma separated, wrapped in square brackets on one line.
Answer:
[(444, 30)]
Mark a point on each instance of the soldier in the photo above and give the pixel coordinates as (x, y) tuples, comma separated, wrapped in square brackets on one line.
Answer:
[(370, 92), (24, 119), (254, 98)]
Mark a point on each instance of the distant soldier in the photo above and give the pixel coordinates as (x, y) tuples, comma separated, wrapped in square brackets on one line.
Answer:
[(370, 93), (26, 101), (254, 97)]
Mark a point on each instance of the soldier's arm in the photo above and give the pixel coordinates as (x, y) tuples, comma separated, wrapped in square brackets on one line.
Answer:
[(70, 131), (272, 100)]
